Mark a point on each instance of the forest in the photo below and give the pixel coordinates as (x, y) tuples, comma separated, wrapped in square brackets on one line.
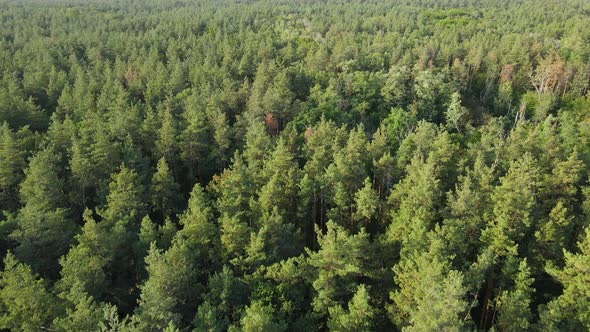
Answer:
[(311, 165)]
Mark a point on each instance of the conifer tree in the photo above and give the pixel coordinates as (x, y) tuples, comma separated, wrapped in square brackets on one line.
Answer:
[(170, 289), (358, 317), (25, 302), (12, 163), (514, 311), (570, 310), (281, 177), (166, 145), (366, 202), (225, 296), (165, 192), (104, 253), (83, 313), (431, 295), (339, 262), (44, 228), (259, 317)]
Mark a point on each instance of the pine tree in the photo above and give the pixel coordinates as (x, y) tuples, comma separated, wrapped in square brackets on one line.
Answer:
[(366, 202), (466, 211), (278, 98), (125, 201), (171, 288), (280, 189), (25, 302), (44, 228), (274, 241), (260, 317), (197, 225), (322, 141), (194, 140), (85, 263), (416, 198), (553, 236), (514, 312), (258, 147), (167, 143), (235, 189), (431, 295), (225, 296), (105, 251), (346, 175), (83, 313), (12, 164), (358, 317), (341, 259), (570, 310), (42, 186), (164, 191), (514, 203), (104, 155), (222, 136), (176, 276)]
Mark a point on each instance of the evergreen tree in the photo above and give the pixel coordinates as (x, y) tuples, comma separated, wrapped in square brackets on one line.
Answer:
[(281, 190), (194, 140), (431, 296), (25, 302), (346, 175), (569, 311), (514, 311), (44, 229), (83, 313), (359, 316), (259, 317), (104, 253), (164, 193), (514, 203), (225, 296), (12, 163), (366, 202), (340, 261), (167, 143), (170, 289)]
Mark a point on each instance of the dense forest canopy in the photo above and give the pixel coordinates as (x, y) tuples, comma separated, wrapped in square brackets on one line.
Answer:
[(310, 165)]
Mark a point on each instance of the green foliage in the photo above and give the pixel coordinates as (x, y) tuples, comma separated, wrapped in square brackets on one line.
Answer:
[(398, 124), (125, 201), (259, 317), (13, 151), (83, 313), (431, 296), (367, 203), (514, 306), (341, 259), (514, 201), (358, 317), (225, 297), (261, 165), (26, 303), (170, 284), (44, 229), (455, 112), (570, 310), (164, 193)]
